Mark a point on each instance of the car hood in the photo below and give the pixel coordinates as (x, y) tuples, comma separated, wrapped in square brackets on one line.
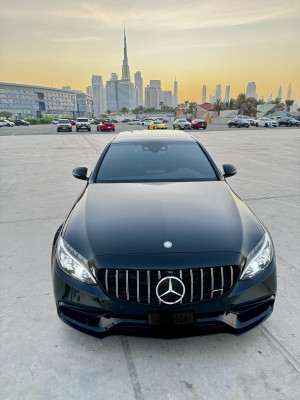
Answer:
[(138, 218)]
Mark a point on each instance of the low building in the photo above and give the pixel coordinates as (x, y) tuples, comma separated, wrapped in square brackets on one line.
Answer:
[(84, 105), (28, 101)]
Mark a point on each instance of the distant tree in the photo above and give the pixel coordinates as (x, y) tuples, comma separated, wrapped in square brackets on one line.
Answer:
[(5, 114), (276, 101), (289, 103), (298, 109), (280, 107), (123, 110), (108, 112), (218, 106)]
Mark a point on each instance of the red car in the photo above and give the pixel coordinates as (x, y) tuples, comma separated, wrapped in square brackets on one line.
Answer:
[(198, 124), (106, 126), (72, 122)]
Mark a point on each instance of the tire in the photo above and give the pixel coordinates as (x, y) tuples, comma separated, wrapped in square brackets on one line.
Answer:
[(89, 130), (57, 130), (113, 130), (204, 127), (174, 127), (77, 130), (229, 126), (266, 125), (247, 126), (256, 125)]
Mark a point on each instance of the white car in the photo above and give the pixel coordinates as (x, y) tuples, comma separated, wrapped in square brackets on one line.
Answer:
[(134, 122), (267, 122), (182, 123), (146, 122), (5, 122), (54, 121)]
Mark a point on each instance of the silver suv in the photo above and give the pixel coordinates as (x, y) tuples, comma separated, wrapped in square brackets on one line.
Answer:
[(83, 123), (181, 123)]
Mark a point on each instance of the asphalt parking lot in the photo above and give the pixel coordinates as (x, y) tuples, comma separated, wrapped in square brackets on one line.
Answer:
[(50, 129), (44, 359)]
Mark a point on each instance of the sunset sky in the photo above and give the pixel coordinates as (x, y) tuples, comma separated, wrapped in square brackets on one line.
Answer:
[(64, 42)]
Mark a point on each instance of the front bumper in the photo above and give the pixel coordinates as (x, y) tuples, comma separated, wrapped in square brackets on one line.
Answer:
[(89, 309)]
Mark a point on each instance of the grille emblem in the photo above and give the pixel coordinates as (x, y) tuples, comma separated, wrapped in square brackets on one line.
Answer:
[(168, 244), (170, 290)]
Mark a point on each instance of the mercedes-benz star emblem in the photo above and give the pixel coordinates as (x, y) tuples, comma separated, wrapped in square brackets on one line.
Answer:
[(168, 244), (170, 290)]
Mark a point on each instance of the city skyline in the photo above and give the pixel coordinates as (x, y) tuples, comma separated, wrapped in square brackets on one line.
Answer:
[(42, 51)]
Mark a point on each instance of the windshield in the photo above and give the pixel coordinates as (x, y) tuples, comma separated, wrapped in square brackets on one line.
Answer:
[(183, 120), (82, 120), (63, 121), (155, 161)]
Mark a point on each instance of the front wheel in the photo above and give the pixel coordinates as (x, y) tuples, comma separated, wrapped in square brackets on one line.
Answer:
[(89, 130), (229, 126), (247, 126), (266, 125), (256, 125)]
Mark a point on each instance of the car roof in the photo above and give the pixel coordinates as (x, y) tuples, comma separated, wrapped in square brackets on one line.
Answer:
[(145, 135)]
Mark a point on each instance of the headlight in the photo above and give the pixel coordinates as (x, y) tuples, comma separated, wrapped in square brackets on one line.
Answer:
[(259, 258), (73, 263)]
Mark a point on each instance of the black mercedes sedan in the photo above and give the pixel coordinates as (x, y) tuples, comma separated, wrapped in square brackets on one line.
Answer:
[(158, 243)]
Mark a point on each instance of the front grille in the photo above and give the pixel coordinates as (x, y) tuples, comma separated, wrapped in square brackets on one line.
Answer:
[(139, 285)]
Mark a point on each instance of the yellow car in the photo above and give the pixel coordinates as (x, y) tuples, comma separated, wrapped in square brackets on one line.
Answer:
[(157, 125)]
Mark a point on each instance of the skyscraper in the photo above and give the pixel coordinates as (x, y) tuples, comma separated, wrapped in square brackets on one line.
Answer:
[(280, 92), (138, 83), (218, 92), (125, 67), (204, 94), (98, 98), (175, 98), (153, 94), (227, 95), (212, 99), (289, 95), (113, 76), (167, 98), (88, 90), (251, 90)]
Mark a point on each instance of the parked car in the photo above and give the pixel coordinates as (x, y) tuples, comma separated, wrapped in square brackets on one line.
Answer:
[(2, 124), (146, 122), (266, 122), (181, 123), (199, 124), (5, 122), (126, 120), (239, 123), (72, 122), (106, 126), (19, 122), (288, 121), (252, 121), (64, 125), (159, 242), (83, 123), (157, 125), (54, 121), (134, 122)]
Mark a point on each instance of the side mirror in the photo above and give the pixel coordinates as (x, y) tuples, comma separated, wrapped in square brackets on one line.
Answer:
[(80, 173), (229, 170)]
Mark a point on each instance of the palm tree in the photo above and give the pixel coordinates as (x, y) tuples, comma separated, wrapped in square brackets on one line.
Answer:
[(289, 103), (218, 106)]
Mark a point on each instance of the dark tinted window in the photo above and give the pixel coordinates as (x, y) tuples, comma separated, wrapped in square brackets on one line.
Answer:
[(155, 161)]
